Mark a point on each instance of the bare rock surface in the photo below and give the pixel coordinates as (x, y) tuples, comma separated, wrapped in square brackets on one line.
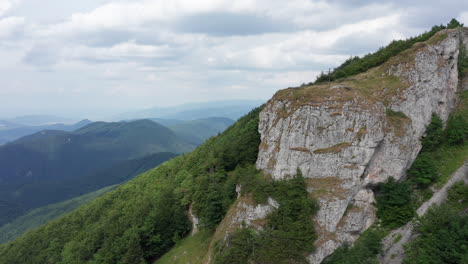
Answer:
[(350, 137)]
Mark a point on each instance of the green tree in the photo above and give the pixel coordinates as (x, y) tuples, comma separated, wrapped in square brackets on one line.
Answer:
[(364, 250), (434, 134), (457, 130), (454, 24), (394, 203), (442, 238), (423, 171)]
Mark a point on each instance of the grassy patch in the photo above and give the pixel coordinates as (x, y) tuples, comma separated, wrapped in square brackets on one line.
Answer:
[(437, 38), (395, 114), (396, 122), (448, 159), (190, 250)]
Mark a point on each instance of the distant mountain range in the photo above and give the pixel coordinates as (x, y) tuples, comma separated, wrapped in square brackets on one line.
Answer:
[(10, 131), (45, 167), (41, 120), (232, 109), (51, 166)]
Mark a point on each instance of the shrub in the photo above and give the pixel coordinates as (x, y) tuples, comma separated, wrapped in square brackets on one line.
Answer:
[(454, 24), (457, 130), (288, 235), (442, 235), (458, 195), (394, 203), (434, 134), (364, 250), (423, 171)]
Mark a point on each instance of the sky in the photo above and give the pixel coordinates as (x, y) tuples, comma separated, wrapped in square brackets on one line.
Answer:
[(99, 57)]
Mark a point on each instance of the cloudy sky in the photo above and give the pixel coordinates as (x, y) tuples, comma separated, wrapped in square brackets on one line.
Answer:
[(98, 57)]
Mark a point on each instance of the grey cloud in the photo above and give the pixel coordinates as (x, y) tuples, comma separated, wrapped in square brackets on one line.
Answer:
[(41, 56), (230, 24)]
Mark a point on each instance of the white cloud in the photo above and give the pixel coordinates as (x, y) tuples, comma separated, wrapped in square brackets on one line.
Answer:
[(7, 5), (463, 18), (148, 51), (10, 25)]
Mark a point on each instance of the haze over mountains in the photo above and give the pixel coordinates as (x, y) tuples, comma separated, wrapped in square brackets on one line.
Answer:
[(14, 128), (11, 131), (53, 165), (232, 109)]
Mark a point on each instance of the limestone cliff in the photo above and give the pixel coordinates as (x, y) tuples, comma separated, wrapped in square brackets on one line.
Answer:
[(350, 135)]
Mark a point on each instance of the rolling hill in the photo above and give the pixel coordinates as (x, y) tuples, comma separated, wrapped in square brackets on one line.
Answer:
[(46, 167), (12, 131)]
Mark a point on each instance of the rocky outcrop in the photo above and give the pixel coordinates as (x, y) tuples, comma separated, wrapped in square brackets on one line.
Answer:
[(244, 213), (346, 137), (393, 251), (194, 220)]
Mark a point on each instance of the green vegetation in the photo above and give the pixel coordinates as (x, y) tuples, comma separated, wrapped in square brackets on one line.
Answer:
[(443, 151), (434, 134), (454, 24), (53, 166), (364, 250), (396, 114), (189, 250), (288, 234), (462, 61), (457, 129), (394, 203), (442, 232), (458, 196), (141, 220), (356, 65), (40, 216), (423, 171)]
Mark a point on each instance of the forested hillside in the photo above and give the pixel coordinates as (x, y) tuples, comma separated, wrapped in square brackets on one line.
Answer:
[(52, 166), (142, 219)]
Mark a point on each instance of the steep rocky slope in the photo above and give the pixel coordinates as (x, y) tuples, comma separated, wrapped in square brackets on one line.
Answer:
[(350, 135)]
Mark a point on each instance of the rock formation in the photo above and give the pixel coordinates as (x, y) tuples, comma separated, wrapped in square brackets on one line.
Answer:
[(350, 135)]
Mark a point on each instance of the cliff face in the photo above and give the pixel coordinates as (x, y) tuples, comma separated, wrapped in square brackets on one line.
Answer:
[(350, 135)]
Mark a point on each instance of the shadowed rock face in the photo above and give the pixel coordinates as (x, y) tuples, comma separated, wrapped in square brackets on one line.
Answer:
[(349, 136)]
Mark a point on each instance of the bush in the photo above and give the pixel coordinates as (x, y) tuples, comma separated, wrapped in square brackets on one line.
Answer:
[(288, 235), (458, 195), (394, 203), (457, 130), (364, 250), (442, 235), (423, 171), (454, 24), (434, 134)]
